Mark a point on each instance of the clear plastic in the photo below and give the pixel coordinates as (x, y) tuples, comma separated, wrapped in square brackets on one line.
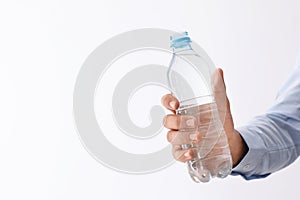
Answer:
[(190, 79)]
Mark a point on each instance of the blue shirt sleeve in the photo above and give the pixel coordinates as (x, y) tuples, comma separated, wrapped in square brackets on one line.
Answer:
[(273, 138)]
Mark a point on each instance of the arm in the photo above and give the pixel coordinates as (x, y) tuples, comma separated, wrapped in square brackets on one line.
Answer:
[(273, 138), (267, 144)]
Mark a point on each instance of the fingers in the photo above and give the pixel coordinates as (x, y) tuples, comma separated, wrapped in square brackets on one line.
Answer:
[(186, 137), (170, 102), (176, 122), (178, 138), (182, 155)]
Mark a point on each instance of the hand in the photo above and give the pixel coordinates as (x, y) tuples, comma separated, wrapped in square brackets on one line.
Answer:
[(174, 122)]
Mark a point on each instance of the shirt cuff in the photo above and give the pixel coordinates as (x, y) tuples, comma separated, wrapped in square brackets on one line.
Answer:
[(251, 163)]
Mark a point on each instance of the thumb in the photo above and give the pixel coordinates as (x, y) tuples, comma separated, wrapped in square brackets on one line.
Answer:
[(220, 93)]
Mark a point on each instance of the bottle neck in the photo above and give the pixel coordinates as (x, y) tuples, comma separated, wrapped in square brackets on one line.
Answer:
[(186, 50)]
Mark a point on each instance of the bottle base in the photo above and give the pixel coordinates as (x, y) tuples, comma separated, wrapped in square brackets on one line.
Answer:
[(203, 170)]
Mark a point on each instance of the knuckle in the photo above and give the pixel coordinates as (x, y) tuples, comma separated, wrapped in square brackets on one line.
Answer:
[(165, 98), (173, 137), (169, 136), (164, 121)]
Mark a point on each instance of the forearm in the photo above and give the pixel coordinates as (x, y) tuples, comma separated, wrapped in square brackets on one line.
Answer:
[(273, 139), (270, 139)]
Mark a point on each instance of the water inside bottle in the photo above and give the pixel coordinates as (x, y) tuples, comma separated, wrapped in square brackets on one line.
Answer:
[(212, 155)]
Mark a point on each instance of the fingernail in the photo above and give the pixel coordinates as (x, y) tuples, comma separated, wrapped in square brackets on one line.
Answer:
[(172, 104), (194, 136), (190, 122), (187, 154)]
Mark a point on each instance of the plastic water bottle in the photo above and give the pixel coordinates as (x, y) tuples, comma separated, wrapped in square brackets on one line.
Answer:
[(190, 79)]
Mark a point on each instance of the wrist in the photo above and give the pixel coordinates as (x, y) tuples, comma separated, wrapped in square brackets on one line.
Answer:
[(238, 147)]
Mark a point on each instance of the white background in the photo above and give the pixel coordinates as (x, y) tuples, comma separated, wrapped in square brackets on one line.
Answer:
[(42, 47)]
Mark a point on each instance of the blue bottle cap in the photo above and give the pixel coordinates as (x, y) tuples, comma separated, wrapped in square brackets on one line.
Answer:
[(180, 40)]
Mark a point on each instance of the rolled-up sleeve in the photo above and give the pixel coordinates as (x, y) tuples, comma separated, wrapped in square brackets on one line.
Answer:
[(273, 139)]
